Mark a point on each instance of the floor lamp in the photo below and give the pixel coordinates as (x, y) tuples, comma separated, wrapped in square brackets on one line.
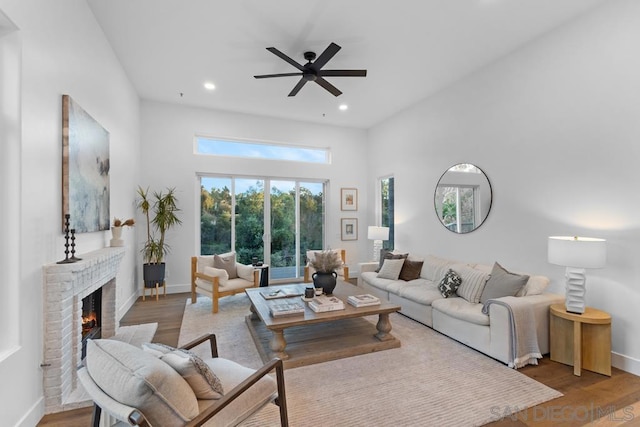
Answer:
[(577, 254), (377, 234)]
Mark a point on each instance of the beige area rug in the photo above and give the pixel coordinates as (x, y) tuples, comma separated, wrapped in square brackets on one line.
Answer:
[(431, 380)]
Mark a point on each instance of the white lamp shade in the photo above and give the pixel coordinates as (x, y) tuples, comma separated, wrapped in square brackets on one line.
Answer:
[(378, 233), (578, 252)]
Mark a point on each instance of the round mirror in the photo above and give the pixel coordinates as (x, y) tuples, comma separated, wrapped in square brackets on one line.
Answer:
[(463, 198)]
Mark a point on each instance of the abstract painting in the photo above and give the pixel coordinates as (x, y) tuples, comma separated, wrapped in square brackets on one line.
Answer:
[(85, 169)]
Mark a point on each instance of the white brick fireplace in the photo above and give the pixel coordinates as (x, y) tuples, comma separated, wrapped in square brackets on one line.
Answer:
[(64, 287)]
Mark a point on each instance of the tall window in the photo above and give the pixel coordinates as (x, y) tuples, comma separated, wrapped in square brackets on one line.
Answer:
[(274, 220), (387, 210)]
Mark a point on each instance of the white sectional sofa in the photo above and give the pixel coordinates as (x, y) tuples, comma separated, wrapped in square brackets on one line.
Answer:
[(459, 318)]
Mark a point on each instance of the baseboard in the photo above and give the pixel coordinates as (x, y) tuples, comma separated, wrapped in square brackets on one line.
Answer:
[(625, 363), (33, 415), (127, 305), (178, 288)]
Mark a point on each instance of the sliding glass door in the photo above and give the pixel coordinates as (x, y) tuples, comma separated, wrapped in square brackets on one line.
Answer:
[(274, 220)]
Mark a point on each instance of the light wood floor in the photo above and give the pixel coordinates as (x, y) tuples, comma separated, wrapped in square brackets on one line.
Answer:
[(612, 401)]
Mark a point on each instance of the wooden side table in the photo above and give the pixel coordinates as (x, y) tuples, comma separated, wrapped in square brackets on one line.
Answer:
[(581, 340)]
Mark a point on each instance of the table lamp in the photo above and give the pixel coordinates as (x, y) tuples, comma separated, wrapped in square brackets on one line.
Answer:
[(377, 234), (576, 254)]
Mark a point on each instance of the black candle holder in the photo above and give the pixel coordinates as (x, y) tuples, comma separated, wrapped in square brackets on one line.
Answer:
[(66, 259), (73, 245)]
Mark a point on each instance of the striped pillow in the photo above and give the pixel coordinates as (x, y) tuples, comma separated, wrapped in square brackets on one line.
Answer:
[(473, 282)]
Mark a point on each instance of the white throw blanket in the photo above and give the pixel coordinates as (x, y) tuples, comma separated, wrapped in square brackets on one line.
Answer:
[(524, 337)]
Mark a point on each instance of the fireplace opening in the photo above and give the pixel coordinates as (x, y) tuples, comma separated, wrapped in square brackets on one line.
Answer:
[(91, 318)]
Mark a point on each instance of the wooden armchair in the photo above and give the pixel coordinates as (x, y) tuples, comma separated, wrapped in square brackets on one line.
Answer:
[(246, 391), (342, 271), (215, 282)]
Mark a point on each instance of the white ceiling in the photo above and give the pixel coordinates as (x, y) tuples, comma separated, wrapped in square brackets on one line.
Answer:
[(411, 49)]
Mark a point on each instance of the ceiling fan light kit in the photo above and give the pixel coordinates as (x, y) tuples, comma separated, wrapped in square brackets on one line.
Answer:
[(312, 71)]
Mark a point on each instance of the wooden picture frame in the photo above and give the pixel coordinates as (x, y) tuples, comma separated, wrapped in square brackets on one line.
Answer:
[(349, 199), (349, 229)]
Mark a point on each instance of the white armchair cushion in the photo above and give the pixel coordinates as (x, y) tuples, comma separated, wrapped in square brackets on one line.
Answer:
[(128, 374), (222, 275), (245, 271), (231, 374)]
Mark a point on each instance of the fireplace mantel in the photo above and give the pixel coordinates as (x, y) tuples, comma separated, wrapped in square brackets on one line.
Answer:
[(64, 287)]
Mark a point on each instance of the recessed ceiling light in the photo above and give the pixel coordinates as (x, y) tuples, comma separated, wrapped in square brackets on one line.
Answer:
[(209, 86), (343, 107)]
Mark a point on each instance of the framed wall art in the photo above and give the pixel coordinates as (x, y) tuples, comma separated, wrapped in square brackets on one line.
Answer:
[(348, 199), (349, 229), (85, 169)]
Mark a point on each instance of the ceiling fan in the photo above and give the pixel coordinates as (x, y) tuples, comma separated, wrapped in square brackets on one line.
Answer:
[(312, 71)]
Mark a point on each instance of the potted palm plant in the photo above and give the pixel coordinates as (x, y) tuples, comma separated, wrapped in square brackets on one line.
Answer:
[(325, 264), (160, 210)]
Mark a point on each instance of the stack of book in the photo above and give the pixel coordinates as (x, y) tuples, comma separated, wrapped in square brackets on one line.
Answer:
[(363, 300), (324, 303), (286, 308)]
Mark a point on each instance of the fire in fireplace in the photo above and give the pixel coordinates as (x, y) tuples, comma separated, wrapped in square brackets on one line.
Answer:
[(91, 318)]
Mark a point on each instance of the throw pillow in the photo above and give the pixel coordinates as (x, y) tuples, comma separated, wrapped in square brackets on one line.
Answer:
[(535, 286), (203, 381), (410, 270), (387, 254), (128, 374), (502, 283), (226, 262), (449, 283), (473, 282), (391, 269)]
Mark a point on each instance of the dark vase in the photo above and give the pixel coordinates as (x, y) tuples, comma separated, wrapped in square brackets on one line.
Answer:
[(326, 281), (152, 274)]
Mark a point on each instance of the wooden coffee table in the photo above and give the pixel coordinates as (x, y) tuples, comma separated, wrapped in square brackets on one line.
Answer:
[(318, 337)]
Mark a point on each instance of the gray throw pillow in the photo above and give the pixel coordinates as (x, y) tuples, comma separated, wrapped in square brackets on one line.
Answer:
[(502, 283), (387, 254), (226, 262), (449, 283)]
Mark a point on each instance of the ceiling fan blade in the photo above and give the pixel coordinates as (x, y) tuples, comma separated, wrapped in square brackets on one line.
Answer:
[(266, 76), (325, 56), (297, 88), (281, 55), (328, 86), (343, 73)]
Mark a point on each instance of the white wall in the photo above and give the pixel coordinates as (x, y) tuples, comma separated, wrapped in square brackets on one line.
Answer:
[(169, 161), (63, 52), (555, 128)]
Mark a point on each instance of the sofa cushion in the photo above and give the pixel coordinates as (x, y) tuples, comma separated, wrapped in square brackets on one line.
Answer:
[(459, 308), (420, 293), (397, 286), (435, 268), (410, 270), (226, 262), (449, 283), (371, 277), (502, 283), (202, 380), (391, 269), (535, 286), (135, 378), (473, 282)]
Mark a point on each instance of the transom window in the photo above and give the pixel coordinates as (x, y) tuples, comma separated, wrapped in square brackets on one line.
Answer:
[(261, 150)]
